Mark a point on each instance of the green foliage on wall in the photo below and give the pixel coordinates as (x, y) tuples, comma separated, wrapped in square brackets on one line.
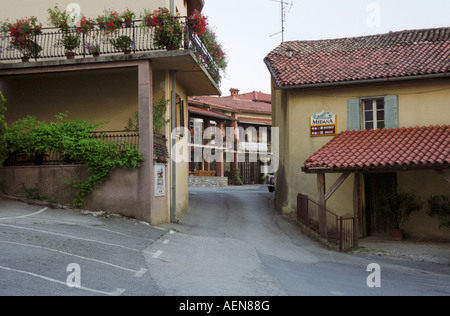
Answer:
[(74, 139), (3, 150)]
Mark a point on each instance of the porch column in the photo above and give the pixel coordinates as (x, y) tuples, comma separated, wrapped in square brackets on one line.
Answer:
[(322, 204), (206, 125), (220, 164), (357, 206), (235, 164), (146, 172)]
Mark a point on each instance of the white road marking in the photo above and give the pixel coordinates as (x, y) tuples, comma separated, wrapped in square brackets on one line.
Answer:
[(138, 273), (157, 254), (116, 292), (24, 216), (165, 242), (69, 236)]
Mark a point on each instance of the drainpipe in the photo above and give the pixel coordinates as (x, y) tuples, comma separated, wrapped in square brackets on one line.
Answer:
[(172, 7), (173, 206)]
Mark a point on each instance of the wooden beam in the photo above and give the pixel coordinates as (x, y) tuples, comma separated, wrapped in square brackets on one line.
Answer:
[(443, 174), (357, 206), (336, 185), (322, 204)]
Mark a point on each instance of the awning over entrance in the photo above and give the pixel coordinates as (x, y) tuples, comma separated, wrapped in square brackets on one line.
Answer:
[(383, 150), (369, 151)]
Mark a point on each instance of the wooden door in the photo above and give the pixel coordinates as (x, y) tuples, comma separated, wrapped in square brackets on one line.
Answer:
[(376, 185)]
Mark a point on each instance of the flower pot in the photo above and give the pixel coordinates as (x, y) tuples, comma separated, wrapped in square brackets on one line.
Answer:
[(161, 159), (70, 55), (397, 234), (129, 23), (172, 47), (127, 52), (25, 59), (95, 55)]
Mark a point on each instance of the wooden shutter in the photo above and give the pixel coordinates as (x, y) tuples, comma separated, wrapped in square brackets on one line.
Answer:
[(391, 111), (354, 114)]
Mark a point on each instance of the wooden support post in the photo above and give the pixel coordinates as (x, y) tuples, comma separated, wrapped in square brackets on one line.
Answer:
[(322, 204), (357, 206), (336, 185)]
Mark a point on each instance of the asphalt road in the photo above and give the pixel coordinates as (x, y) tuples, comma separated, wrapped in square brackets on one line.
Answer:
[(230, 243), (43, 251)]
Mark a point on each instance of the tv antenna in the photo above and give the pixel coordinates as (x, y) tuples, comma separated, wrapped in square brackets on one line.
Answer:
[(284, 9)]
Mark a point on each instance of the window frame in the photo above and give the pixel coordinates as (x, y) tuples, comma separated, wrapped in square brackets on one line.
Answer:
[(375, 111)]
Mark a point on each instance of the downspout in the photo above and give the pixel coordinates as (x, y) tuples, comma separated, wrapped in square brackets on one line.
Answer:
[(173, 206), (172, 7)]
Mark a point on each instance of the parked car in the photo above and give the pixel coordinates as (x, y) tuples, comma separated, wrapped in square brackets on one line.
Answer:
[(271, 182)]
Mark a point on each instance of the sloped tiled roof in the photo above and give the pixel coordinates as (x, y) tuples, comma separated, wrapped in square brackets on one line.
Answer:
[(392, 55), (393, 148), (233, 104)]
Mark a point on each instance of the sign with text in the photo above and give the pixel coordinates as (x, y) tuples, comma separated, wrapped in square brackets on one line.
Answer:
[(160, 180), (323, 124)]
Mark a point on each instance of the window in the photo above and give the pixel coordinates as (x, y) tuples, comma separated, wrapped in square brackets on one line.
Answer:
[(373, 113)]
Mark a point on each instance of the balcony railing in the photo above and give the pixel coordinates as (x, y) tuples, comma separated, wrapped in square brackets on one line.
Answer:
[(59, 158), (51, 42)]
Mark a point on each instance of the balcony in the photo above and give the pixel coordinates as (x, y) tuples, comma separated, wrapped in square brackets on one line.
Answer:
[(50, 43)]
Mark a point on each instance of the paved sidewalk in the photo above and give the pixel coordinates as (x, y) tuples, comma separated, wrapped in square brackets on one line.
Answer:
[(430, 252)]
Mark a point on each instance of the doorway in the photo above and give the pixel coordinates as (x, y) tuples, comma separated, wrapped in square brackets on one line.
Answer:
[(377, 185)]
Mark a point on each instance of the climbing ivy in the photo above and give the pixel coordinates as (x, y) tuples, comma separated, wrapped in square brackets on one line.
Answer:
[(74, 139)]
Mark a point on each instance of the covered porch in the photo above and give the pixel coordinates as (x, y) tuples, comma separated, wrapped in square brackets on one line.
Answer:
[(375, 159)]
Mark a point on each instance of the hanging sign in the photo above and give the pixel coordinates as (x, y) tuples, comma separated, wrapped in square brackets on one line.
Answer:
[(323, 124)]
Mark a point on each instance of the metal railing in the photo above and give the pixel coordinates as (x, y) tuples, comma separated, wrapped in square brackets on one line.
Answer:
[(50, 41), (339, 230), (59, 158)]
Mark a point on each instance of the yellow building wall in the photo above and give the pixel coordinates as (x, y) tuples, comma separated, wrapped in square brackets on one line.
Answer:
[(99, 96), (421, 103)]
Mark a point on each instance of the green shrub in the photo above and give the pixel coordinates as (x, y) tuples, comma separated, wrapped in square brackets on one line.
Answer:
[(74, 138)]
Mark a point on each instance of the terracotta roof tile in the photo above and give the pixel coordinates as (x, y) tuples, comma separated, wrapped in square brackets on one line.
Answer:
[(392, 55), (240, 103), (400, 147)]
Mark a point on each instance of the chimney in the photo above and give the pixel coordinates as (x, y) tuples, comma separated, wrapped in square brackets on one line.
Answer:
[(234, 92)]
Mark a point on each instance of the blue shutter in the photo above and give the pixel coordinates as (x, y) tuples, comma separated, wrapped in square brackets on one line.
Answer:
[(354, 114), (391, 111)]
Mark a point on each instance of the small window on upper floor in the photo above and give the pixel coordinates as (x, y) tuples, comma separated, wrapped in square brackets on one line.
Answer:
[(373, 113)]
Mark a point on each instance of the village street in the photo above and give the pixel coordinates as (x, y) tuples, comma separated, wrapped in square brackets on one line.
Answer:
[(230, 243)]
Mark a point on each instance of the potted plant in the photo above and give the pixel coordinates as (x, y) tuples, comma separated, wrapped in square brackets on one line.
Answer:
[(397, 207), (71, 42), (109, 22), (123, 43), (167, 29), (23, 34), (198, 23), (86, 25), (60, 19), (128, 16), (94, 49)]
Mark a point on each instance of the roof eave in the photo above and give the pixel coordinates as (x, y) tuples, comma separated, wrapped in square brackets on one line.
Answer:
[(359, 82)]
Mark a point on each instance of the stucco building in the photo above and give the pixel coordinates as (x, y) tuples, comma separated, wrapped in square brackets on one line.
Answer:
[(113, 88), (387, 98), (250, 115)]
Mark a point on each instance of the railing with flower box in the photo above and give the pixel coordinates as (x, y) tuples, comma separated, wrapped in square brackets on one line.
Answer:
[(60, 158), (134, 36)]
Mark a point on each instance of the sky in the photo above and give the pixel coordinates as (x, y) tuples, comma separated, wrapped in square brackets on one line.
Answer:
[(250, 29)]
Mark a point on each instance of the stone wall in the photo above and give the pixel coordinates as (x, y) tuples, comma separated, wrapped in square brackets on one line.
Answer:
[(205, 182)]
